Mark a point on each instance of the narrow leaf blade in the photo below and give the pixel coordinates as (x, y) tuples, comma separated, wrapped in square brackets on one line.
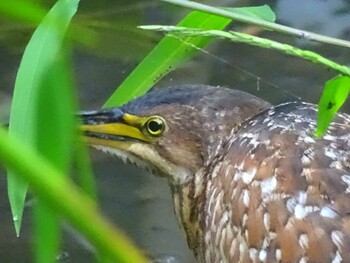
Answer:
[(171, 52), (54, 140), (333, 97), (41, 50), (167, 55)]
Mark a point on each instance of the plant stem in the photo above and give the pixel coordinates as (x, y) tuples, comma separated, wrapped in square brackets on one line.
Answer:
[(262, 23), (255, 41), (65, 198)]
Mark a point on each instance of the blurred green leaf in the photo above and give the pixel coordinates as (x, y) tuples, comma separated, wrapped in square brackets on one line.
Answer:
[(116, 37), (85, 173), (47, 233), (55, 135), (55, 126), (22, 10), (333, 97), (67, 199), (42, 49)]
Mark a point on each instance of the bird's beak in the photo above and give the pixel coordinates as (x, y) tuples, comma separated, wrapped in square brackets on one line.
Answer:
[(111, 127)]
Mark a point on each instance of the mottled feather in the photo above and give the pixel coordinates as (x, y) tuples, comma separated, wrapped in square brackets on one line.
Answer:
[(276, 193), (255, 184)]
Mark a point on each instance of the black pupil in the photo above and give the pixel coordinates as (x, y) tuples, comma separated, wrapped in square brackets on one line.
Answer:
[(154, 126)]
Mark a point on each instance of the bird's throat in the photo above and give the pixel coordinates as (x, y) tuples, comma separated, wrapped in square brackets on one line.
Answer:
[(189, 202)]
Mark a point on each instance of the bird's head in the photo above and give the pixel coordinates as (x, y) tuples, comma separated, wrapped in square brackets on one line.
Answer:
[(174, 131)]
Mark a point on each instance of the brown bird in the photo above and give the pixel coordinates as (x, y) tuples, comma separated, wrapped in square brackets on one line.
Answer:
[(250, 182)]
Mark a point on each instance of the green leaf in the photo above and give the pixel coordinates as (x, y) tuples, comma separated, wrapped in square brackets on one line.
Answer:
[(47, 233), (333, 97), (55, 135), (39, 54), (254, 41), (66, 199), (172, 51), (261, 12), (166, 56), (85, 173), (22, 10)]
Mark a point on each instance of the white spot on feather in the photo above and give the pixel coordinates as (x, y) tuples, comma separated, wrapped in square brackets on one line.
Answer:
[(244, 220), (267, 221), (346, 179), (337, 238), (253, 253), (266, 243), (278, 254), (337, 165), (337, 258), (326, 211), (305, 160), (268, 186), (329, 137), (242, 250), (271, 112), (248, 176), (302, 198), (262, 255), (330, 153), (309, 139), (300, 212), (304, 241), (246, 197)]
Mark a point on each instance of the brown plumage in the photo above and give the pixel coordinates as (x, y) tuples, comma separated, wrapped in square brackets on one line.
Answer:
[(250, 182)]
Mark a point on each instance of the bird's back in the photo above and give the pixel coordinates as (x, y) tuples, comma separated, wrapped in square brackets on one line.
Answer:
[(277, 193)]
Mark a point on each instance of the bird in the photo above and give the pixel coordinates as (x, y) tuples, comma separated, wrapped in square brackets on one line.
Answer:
[(249, 180)]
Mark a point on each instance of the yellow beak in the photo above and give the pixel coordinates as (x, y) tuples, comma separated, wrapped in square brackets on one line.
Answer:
[(112, 126)]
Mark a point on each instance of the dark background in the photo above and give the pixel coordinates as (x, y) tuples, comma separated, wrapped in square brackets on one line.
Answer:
[(137, 202)]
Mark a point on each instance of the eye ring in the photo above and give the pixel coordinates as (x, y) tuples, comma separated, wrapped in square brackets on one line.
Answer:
[(155, 126)]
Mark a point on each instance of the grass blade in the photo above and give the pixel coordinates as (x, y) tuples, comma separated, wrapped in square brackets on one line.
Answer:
[(39, 54)]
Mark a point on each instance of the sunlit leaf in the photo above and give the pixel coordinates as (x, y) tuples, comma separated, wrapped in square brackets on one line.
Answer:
[(333, 97), (41, 51), (169, 54)]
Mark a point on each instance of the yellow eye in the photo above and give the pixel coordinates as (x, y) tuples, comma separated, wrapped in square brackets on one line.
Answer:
[(155, 126)]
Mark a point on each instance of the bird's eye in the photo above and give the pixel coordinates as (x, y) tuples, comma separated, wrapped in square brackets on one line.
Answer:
[(155, 126)]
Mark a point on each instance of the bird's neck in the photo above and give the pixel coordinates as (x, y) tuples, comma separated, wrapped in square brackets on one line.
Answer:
[(189, 200)]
